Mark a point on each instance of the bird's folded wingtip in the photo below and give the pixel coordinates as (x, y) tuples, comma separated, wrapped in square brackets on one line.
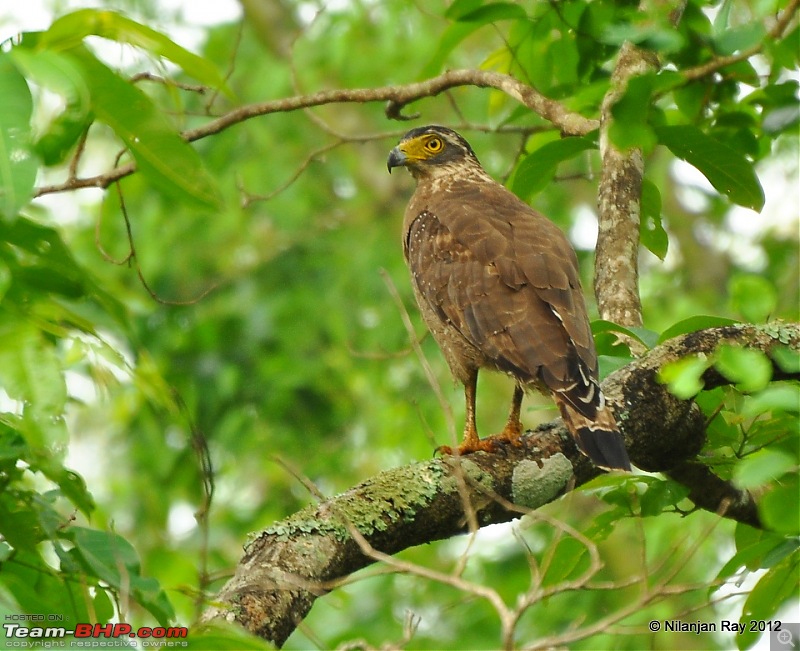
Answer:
[(606, 448)]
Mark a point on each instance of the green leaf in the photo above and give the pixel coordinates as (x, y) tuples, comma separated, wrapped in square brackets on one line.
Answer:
[(113, 560), (57, 73), (745, 536), (221, 636), (627, 483), (749, 369), (651, 230), (43, 263), (778, 397), (12, 447), (684, 376), (755, 549), (762, 467), (721, 432), (723, 17), (30, 372), (781, 119), (72, 485), (778, 508), (5, 279), (787, 359), (660, 496), (569, 560), (469, 16), (724, 167), (38, 589), (493, 12), (161, 154), (773, 590), (607, 364), (690, 99), (537, 169), (754, 297), (693, 324), (739, 38), (18, 166), (103, 606), (69, 31), (646, 337), (450, 39), (461, 8), (19, 526), (653, 35), (104, 554), (149, 594), (784, 52)]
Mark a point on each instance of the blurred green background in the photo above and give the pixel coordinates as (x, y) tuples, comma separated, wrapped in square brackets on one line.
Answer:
[(263, 326)]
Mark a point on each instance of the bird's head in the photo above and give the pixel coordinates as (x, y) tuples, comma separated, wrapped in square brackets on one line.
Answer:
[(432, 151)]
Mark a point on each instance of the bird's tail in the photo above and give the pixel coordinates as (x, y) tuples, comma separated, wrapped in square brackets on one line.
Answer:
[(598, 438)]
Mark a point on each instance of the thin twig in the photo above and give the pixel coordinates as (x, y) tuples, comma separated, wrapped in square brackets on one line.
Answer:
[(202, 453), (382, 355), (166, 81), (231, 65), (482, 591), (426, 367), (295, 472), (133, 258), (72, 171), (248, 198)]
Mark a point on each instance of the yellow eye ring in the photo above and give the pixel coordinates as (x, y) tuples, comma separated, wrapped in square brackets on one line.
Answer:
[(434, 145)]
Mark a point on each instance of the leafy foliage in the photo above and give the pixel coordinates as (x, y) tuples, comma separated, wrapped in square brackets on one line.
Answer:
[(248, 320)]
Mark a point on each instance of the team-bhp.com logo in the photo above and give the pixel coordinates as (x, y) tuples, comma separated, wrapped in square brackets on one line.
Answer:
[(16, 631)]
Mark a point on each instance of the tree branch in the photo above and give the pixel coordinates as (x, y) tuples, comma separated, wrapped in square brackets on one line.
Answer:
[(616, 267), (291, 563), (777, 31), (398, 96)]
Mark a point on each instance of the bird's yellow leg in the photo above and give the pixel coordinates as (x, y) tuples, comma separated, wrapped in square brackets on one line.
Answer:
[(512, 432), (471, 442)]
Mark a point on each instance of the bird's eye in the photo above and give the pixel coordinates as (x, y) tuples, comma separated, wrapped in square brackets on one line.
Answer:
[(434, 145)]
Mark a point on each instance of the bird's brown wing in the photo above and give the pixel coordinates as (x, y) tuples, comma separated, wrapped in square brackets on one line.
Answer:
[(506, 280)]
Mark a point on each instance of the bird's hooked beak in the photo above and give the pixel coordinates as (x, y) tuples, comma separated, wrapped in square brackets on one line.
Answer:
[(397, 158)]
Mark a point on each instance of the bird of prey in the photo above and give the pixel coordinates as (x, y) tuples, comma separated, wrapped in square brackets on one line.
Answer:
[(497, 285)]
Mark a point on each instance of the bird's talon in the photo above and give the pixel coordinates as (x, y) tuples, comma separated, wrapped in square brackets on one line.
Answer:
[(511, 436), (443, 450), (468, 447)]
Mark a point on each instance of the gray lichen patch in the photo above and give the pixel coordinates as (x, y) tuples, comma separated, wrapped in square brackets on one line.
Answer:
[(474, 475), (532, 485)]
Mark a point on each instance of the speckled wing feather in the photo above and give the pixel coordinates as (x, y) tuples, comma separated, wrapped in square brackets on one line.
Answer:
[(506, 279)]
